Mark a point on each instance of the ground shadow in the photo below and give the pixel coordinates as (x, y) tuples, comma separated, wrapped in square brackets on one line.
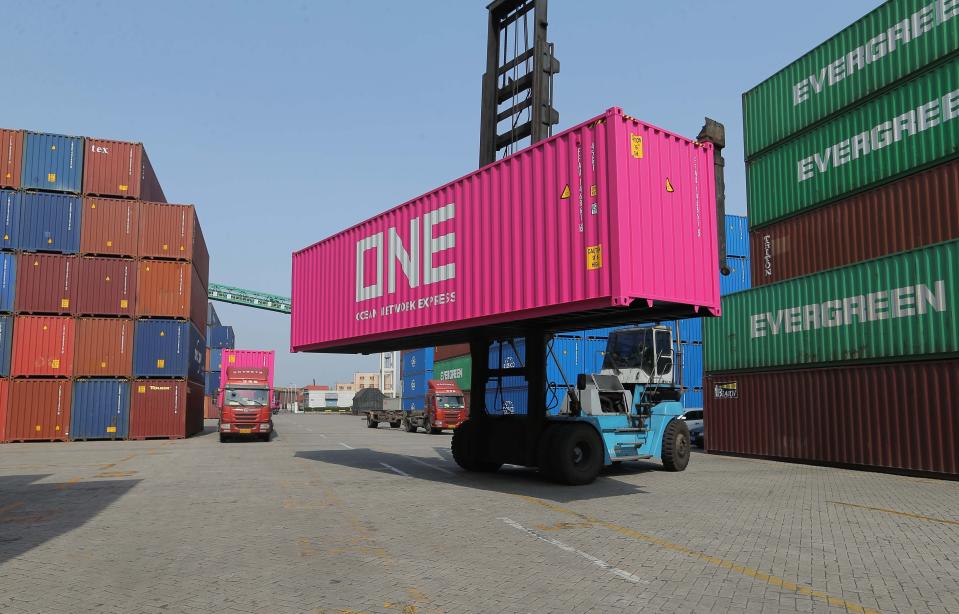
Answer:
[(32, 513), (508, 480)]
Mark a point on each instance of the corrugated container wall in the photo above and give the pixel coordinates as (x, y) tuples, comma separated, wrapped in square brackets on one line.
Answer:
[(39, 410), (8, 281), (6, 345), (913, 212), (46, 283), (101, 409), (737, 236), (739, 277), (647, 236), (110, 227), (859, 61), (172, 290), (106, 286), (895, 416), (892, 308), (220, 337), (173, 232), (4, 404), (212, 384), (416, 361), (212, 319), (216, 359), (50, 222), (11, 158), (104, 347), (458, 369), (168, 408), (168, 348), (443, 352), (903, 130), (117, 168), (10, 207), (52, 162), (42, 345)]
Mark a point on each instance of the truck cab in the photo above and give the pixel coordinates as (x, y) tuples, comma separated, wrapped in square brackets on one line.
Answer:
[(444, 408), (245, 404)]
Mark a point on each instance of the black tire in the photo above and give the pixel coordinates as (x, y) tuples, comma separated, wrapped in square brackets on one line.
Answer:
[(468, 448), (395, 425), (409, 426), (371, 423), (222, 438), (676, 445), (264, 436), (543, 453), (435, 431), (576, 453)]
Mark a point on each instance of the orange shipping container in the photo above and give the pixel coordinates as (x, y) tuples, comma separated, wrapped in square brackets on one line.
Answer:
[(168, 289), (110, 227), (42, 345), (118, 168), (45, 283), (38, 410), (173, 232), (106, 286), (104, 347), (171, 408), (11, 157), (4, 398)]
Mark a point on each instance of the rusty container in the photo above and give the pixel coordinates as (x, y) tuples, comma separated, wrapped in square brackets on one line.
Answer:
[(118, 168), (42, 346), (169, 289), (173, 232), (106, 287), (444, 352), (111, 227), (38, 410), (104, 347), (165, 408), (11, 157), (4, 402), (46, 283)]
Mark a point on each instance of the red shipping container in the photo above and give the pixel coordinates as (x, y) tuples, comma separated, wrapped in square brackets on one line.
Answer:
[(104, 347), (173, 232), (442, 352), (46, 283), (42, 345), (913, 212), (39, 410), (11, 157), (168, 289), (902, 416), (106, 286), (168, 408), (118, 168), (4, 398), (110, 227), (210, 410)]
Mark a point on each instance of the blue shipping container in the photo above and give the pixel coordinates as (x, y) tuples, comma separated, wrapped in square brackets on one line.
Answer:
[(221, 337), (8, 281), (737, 236), (416, 361), (738, 278), (10, 205), (693, 399), (415, 385), (52, 162), (417, 403), (50, 223), (507, 400), (691, 357), (216, 359), (168, 348), (573, 355), (101, 409), (212, 319), (691, 330), (6, 344), (212, 382)]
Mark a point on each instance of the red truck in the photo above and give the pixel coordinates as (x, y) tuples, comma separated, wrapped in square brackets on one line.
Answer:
[(245, 404), (444, 408)]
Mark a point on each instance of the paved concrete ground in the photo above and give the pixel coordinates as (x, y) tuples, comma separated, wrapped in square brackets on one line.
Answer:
[(333, 517)]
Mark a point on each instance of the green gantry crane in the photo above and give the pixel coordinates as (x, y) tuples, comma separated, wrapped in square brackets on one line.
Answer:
[(249, 298)]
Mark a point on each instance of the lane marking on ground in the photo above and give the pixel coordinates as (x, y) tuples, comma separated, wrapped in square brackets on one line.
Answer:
[(347, 446), (749, 572), (395, 470), (309, 430), (896, 512), (426, 464), (322, 435), (625, 575)]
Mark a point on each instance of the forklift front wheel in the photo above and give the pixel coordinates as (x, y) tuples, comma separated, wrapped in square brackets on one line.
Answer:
[(468, 447), (676, 445), (576, 453)]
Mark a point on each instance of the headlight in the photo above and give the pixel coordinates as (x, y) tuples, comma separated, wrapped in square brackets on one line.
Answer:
[(265, 426), (224, 427)]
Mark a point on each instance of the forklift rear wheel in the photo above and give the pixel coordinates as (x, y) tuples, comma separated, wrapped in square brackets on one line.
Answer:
[(576, 452), (222, 437), (395, 425), (409, 426), (371, 423), (676, 445), (467, 447)]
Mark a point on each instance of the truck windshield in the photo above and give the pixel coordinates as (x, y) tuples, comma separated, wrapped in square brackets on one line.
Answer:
[(243, 397), (449, 401), (630, 349)]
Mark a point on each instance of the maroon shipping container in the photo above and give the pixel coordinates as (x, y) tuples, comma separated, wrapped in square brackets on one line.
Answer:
[(918, 210), (118, 168), (168, 408), (110, 227), (42, 345), (173, 232), (4, 402), (892, 416), (442, 352), (46, 283), (11, 157), (168, 289), (104, 347), (106, 286), (39, 410)]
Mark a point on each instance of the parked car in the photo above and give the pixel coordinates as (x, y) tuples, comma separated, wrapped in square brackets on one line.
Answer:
[(693, 418), (697, 437)]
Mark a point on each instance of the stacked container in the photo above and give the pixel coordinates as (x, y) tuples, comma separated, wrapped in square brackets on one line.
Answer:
[(453, 363), (844, 352), (416, 369), (218, 339)]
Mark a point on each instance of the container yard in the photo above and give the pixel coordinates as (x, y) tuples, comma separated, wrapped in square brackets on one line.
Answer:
[(638, 356)]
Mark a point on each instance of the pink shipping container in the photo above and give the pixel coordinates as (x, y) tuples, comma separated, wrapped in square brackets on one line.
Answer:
[(246, 359), (614, 217)]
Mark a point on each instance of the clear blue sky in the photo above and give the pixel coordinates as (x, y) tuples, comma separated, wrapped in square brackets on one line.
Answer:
[(287, 121)]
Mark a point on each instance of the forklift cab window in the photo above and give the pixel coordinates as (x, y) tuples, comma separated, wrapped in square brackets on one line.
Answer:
[(630, 349), (664, 351)]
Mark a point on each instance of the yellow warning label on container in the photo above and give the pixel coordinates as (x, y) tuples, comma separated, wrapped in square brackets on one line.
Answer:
[(103, 365), (232, 358), (566, 192), (38, 428), (55, 363), (50, 240), (9, 175), (594, 257), (162, 334), (123, 303), (123, 188), (111, 429), (182, 248), (6, 237), (56, 428), (147, 269), (51, 177), (165, 247), (53, 148), (160, 363), (65, 303), (636, 145), (36, 263), (669, 186), (593, 191), (141, 389), (44, 327), (109, 243), (93, 205)]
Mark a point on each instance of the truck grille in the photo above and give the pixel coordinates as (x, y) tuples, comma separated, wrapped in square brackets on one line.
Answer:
[(245, 416), (452, 415)]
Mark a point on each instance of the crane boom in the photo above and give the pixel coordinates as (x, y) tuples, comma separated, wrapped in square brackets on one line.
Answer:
[(249, 298)]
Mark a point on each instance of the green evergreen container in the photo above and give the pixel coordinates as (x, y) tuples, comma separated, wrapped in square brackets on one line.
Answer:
[(902, 307), (458, 369), (850, 67), (913, 126)]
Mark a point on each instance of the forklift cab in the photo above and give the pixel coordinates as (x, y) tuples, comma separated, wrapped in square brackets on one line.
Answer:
[(640, 355)]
